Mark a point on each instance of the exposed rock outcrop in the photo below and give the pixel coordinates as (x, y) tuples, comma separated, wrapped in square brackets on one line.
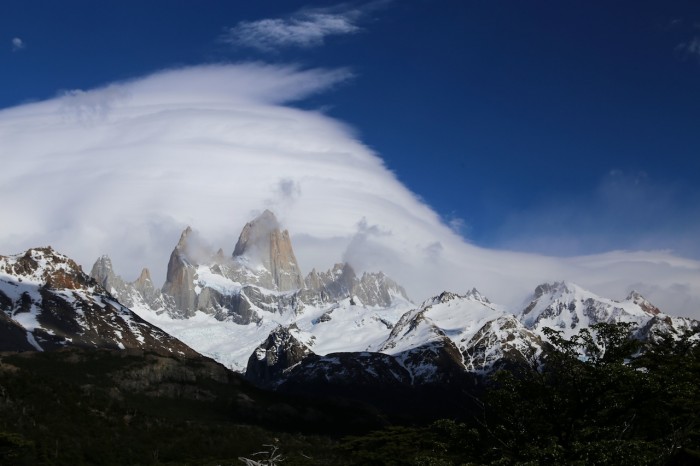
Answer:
[(372, 289), (49, 296), (501, 343), (567, 307), (263, 245), (140, 293), (179, 281), (262, 276), (275, 356)]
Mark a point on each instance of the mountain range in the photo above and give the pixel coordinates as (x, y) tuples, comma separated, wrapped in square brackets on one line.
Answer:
[(256, 313)]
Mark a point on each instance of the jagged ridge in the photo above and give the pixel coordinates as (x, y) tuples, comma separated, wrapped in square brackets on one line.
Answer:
[(48, 297)]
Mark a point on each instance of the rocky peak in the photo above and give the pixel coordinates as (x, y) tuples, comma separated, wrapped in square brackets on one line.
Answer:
[(137, 294), (179, 280), (192, 249), (256, 233), (446, 296), (475, 295), (636, 298), (182, 244), (103, 272), (372, 289), (337, 282), (279, 352), (46, 266), (552, 289), (567, 307), (263, 244), (103, 265), (546, 294), (144, 277), (502, 342), (144, 285), (378, 289), (58, 305)]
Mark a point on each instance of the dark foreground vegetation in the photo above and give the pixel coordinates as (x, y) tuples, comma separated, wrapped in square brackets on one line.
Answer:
[(619, 406)]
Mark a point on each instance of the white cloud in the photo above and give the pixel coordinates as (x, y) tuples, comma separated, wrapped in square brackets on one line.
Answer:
[(692, 47), (17, 44), (123, 169), (307, 28), (630, 210), (458, 225)]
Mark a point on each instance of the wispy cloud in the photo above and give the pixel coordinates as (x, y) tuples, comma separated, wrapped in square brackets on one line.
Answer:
[(458, 225), (305, 28), (693, 47), (625, 210), (123, 169), (690, 48), (17, 44)]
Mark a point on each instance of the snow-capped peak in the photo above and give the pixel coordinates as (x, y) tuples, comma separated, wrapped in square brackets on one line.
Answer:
[(637, 298), (567, 307), (44, 266), (477, 296), (48, 296)]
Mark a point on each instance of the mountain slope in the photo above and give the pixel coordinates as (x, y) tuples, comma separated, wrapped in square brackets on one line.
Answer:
[(568, 308), (225, 306), (451, 333), (48, 296)]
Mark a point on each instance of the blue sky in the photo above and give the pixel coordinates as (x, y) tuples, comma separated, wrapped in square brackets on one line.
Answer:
[(552, 127)]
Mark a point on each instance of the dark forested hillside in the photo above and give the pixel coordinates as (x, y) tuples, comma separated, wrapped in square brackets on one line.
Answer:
[(80, 406), (618, 404)]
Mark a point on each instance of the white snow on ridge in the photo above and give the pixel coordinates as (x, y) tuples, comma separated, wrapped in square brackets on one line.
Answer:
[(350, 328), (14, 290), (567, 307), (204, 277), (402, 327), (456, 317), (224, 341)]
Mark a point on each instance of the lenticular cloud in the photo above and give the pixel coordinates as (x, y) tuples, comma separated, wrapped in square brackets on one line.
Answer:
[(121, 170)]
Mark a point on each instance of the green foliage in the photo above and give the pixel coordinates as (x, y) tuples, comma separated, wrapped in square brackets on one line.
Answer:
[(442, 443), (596, 401), (15, 449), (63, 408)]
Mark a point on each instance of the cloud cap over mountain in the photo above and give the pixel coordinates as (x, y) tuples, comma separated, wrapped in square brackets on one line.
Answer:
[(123, 169)]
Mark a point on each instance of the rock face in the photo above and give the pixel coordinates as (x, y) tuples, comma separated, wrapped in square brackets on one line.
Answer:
[(140, 293), (440, 342), (336, 283), (502, 343), (259, 283), (48, 296), (636, 298), (179, 281), (451, 336), (662, 324), (284, 362), (263, 245), (280, 327), (13, 337), (103, 273), (372, 289), (271, 360), (453, 333), (568, 308), (347, 370)]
